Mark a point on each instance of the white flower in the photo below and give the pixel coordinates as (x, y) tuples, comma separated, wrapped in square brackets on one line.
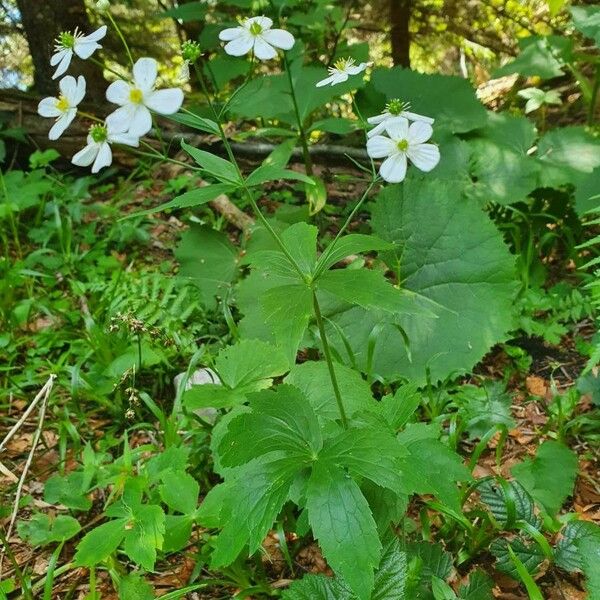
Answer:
[(341, 71), (404, 142), (255, 35), (63, 108), (138, 99), (102, 5), (98, 149), (68, 43), (395, 108)]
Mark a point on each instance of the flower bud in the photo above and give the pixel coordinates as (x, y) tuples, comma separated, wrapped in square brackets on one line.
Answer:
[(190, 51), (102, 5)]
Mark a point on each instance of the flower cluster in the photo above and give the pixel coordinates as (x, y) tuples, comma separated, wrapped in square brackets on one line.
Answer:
[(136, 99)]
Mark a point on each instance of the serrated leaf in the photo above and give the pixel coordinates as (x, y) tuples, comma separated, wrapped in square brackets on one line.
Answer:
[(347, 245), (398, 409), (587, 20), (589, 549), (245, 367), (441, 590), (178, 530), (180, 491), (312, 377), (42, 529), (318, 587), (479, 587), (493, 495), (255, 494), (567, 553), (550, 476), (342, 522), (529, 554), (67, 490), (280, 420), (436, 562), (209, 260), (216, 166), (133, 587), (100, 542), (145, 534)]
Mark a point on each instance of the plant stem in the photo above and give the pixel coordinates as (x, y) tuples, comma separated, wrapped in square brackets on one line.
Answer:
[(327, 353), (121, 37), (594, 98), (303, 141), (11, 217)]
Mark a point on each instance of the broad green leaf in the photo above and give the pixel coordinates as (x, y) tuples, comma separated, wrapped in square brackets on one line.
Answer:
[(146, 535), (216, 166), (433, 468), (479, 587), (195, 122), (280, 420), (589, 549), (367, 289), (209, 260), (245, 367), (300, 240), (436, 562), (567, 155), (312, 377), (67, 490), (441, 590), (266, 173), (370, 453), (567, 553), (134, 587), (316, 195), (451, 256), (100, 542), (587, 192), (318, 587), (334, 125), (529, 554), (178, 531), (543, 56), (398, 409), (190, 11), (174, 458), (550, 476), (280, 157), (256, 493), (195, 197), (347, 245), (587, 20), (342, 522), (460, 110), (42, 529), (494, 496), (179, 491)]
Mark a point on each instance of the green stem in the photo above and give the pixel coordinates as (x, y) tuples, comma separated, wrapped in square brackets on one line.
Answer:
[(594, 98), (122, 38), (327, 353), (11, 217), (303, 140)]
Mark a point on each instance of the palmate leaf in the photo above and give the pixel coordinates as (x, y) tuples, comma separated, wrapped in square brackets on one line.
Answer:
[(281, 420), (342, 522), (245, 367), (354, 243), (452, 257), (550, 476), (145, 535), (587, 20)]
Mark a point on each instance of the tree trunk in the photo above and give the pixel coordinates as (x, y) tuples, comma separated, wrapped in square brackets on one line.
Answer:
[(43, 21), (400, 33)]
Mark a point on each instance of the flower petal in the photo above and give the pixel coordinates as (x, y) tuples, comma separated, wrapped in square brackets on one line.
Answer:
[(377, 130), (397, 128), (240, 45), (165, 102), (378, 118), (419, 132), (356, 69), (263, 50), (411, 116), (104, 158), (62, 123), (86, 156), (118, 92), (279, 38), (120, 120), (58, 56), (339, 77), (424, 156), (63, 65), (231, 33), (264, 22), (124, 138), (393, 168), (47, 108), (325, 81), (68, 86), (84, 49), (96, 35), (79, 92), (145, 71), (141, 122), (380, 146)]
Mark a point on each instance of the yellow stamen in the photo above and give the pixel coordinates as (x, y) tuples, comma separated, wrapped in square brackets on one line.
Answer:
[(136, 96), (256, 28), (403, 145), (63, 104)]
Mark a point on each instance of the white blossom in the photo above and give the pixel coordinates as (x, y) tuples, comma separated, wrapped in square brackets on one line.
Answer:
[(395, 108), (102, 5), (98, 152), (255, 35), (404, 142), (69, 43), (137, 99), (341, 71), (63, 108)]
